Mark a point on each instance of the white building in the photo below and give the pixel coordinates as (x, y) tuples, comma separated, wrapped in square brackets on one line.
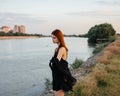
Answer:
[(19, 29), (5, 29)]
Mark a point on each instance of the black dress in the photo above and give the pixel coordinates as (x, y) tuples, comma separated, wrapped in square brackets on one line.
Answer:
[(61, 76)]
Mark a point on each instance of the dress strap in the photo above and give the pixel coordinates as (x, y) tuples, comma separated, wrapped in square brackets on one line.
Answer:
[(56, 52)]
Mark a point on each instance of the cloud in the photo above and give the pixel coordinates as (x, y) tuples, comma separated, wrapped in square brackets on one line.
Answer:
[(109, 3), (95, 13), (32, 22), (20, 18), (9, 19)]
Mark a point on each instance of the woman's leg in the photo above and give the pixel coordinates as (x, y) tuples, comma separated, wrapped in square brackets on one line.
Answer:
[(59, 93)]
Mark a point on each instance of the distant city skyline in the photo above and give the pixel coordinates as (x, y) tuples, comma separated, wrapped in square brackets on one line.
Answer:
[(16, 28), (70, 16)]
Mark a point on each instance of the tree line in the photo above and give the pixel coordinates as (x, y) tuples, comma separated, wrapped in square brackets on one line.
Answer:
[(101, 32), (2, 33)]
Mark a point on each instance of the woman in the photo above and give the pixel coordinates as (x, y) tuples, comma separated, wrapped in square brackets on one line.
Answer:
[(62, 78)]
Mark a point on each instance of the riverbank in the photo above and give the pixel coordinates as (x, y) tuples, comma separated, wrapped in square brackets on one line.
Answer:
[(18, 37), (99, 75)]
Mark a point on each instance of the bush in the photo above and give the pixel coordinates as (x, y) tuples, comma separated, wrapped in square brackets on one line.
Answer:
[(112, 39), (76, 64), (2, 33), (101, 31), (48, 84)]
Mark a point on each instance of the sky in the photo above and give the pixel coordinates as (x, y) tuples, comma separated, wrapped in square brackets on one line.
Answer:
[(70, 16)]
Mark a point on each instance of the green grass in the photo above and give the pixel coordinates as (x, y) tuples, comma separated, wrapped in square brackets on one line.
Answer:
[(48, 83), (76, 64), (100, 47)]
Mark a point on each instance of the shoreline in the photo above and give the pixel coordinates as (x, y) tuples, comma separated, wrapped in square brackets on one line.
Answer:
[(85, 69), (17, 37)]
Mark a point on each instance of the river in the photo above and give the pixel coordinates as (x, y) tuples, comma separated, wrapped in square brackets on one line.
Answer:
[(24, 63)]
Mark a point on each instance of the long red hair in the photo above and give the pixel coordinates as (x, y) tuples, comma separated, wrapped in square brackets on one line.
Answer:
[(59, 35)]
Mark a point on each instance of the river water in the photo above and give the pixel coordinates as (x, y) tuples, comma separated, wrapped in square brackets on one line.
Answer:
[(24, 63)]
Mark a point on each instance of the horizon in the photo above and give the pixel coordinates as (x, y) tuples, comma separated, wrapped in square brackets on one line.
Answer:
[(71, 17)]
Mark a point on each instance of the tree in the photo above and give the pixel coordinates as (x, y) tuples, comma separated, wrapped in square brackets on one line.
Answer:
[(101, 31), (2, 33)]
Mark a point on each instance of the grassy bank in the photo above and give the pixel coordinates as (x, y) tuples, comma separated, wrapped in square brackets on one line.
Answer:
[(104, 79)]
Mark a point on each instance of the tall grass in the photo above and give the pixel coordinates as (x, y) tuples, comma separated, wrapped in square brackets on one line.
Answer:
[(104, 80)]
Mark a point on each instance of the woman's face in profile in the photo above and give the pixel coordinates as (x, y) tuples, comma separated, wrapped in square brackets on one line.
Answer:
[(54, 39)]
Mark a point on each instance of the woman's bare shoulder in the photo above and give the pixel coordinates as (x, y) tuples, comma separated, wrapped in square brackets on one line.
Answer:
[(62, 49)]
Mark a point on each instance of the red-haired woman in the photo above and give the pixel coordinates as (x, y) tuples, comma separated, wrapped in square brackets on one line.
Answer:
[(62, 79)]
